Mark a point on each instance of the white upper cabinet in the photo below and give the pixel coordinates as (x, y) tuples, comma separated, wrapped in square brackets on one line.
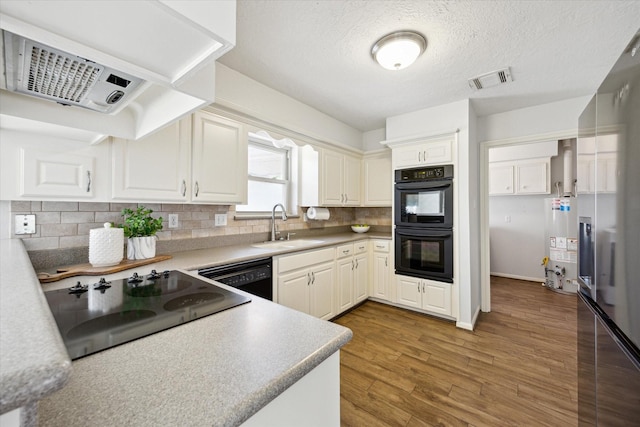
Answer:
[(40, 168), (520, 177), (202, 159), (340, 179), (329, 178), (423, 153), (219, 160), (378, 180), (154, 168)]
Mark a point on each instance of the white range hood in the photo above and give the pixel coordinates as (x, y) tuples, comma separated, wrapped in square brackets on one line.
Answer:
[(152, 62)]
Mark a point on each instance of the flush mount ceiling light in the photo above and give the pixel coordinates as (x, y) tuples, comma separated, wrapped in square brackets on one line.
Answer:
[(398, 50)]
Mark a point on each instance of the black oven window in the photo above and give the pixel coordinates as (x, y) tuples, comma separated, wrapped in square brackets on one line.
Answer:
[(423, 255)]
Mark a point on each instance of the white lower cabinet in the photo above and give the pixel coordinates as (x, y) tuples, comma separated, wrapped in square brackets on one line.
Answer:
[(380, 288), (352, 274), (306, 280), (429, 295)]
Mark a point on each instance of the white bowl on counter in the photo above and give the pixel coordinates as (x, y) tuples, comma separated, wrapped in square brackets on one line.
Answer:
[(360, 228)]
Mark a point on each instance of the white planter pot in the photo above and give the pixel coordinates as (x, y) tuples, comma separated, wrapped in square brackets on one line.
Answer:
[(141, 247)]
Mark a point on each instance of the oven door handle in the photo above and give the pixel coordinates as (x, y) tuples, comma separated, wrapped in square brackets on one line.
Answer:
[(418, 233), (423, 185)]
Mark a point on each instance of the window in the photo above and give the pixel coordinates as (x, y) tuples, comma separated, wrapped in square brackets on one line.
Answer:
[(270, 170)]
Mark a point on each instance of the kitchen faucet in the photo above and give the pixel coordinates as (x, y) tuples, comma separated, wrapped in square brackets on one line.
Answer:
[(273, 219)]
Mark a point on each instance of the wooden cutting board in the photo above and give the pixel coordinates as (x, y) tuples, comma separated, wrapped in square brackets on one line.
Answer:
[(88, 270)]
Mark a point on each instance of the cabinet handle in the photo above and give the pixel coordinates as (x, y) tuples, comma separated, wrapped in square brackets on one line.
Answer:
[(313, 277), (346, 198), (423, 291), (184, 188), (385, 262), (352, 265), (197, 188), (88, 181), (424, 156), (308, 279), (418, 287), (419, 157), (345, 252), (380, 246), (356, 263)]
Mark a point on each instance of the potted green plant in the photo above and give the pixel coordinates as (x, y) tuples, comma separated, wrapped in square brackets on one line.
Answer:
[(140, 229)]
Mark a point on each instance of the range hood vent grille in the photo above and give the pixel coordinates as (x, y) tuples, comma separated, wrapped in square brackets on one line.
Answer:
[(493, 78), (35, 69), (60, 77)]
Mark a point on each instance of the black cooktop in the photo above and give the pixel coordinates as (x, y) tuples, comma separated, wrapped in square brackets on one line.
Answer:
[(94, 317)]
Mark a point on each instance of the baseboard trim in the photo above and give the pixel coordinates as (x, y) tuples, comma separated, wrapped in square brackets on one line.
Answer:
[(470, 326), (515, 276)]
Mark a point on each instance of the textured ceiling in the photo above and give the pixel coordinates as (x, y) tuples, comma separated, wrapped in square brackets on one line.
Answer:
[(318, 52)]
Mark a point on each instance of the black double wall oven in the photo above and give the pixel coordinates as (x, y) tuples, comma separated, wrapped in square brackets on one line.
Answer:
[(424, 222)]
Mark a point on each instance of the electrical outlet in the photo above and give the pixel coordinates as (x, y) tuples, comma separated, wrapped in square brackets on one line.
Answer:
[(173, 220), (220, 219), (25, 224)]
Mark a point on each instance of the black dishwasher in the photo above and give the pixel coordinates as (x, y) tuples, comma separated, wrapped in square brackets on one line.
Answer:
[(252, 276)]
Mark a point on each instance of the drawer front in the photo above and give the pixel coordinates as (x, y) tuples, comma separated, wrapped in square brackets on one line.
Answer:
[(305, 259), (381, 245), (344, 251), (360, 247)]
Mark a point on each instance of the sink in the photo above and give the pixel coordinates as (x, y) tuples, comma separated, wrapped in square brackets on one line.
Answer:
[(287, 244)]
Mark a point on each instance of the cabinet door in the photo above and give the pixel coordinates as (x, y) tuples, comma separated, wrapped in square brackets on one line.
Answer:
[(294, 290), (405, 157), (533, 178), (56, 174), (322, 293), (352, 181), (437, 152), (345, 275), (585, 173), (378, 183), (409, 291), (361, 278), (606, 173), (380, 276), (500, 179), (332, 178), (155, 167), (436, 297), (219, 162)]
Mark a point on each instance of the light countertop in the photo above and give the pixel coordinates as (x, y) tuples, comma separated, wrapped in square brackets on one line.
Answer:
[(218, 370)]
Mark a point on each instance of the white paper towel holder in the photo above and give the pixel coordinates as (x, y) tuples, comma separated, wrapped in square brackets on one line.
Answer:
[(318, 213)]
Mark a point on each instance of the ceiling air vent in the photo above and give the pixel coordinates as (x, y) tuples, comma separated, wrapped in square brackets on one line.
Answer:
[(493, 78), (39, 70)]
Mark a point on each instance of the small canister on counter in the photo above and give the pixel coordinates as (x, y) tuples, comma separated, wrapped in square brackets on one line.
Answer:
[(106, 246)]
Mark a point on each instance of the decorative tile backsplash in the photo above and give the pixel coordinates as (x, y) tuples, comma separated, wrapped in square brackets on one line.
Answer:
[(64, 225)]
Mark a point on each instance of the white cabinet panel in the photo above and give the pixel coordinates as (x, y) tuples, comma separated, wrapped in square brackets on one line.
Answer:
[(219, 160), (380, 271), (520, 177), (428, 295), (340, 179), (153, 168), (597, 173), (306, 282), (378, 181), (501, 179), (345, 271), (361, 278), (57, 174), (37, 168), (419, 154), (533, 178)]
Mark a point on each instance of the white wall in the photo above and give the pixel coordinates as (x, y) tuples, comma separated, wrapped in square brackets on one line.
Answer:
[(240, 93), (538, 120), (445, 119), (371, 139)]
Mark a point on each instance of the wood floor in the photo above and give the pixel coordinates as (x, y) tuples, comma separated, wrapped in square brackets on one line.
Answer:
[(517, 368)]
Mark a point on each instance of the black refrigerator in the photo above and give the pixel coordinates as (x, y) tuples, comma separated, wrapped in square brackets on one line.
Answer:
[(608, 166)]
